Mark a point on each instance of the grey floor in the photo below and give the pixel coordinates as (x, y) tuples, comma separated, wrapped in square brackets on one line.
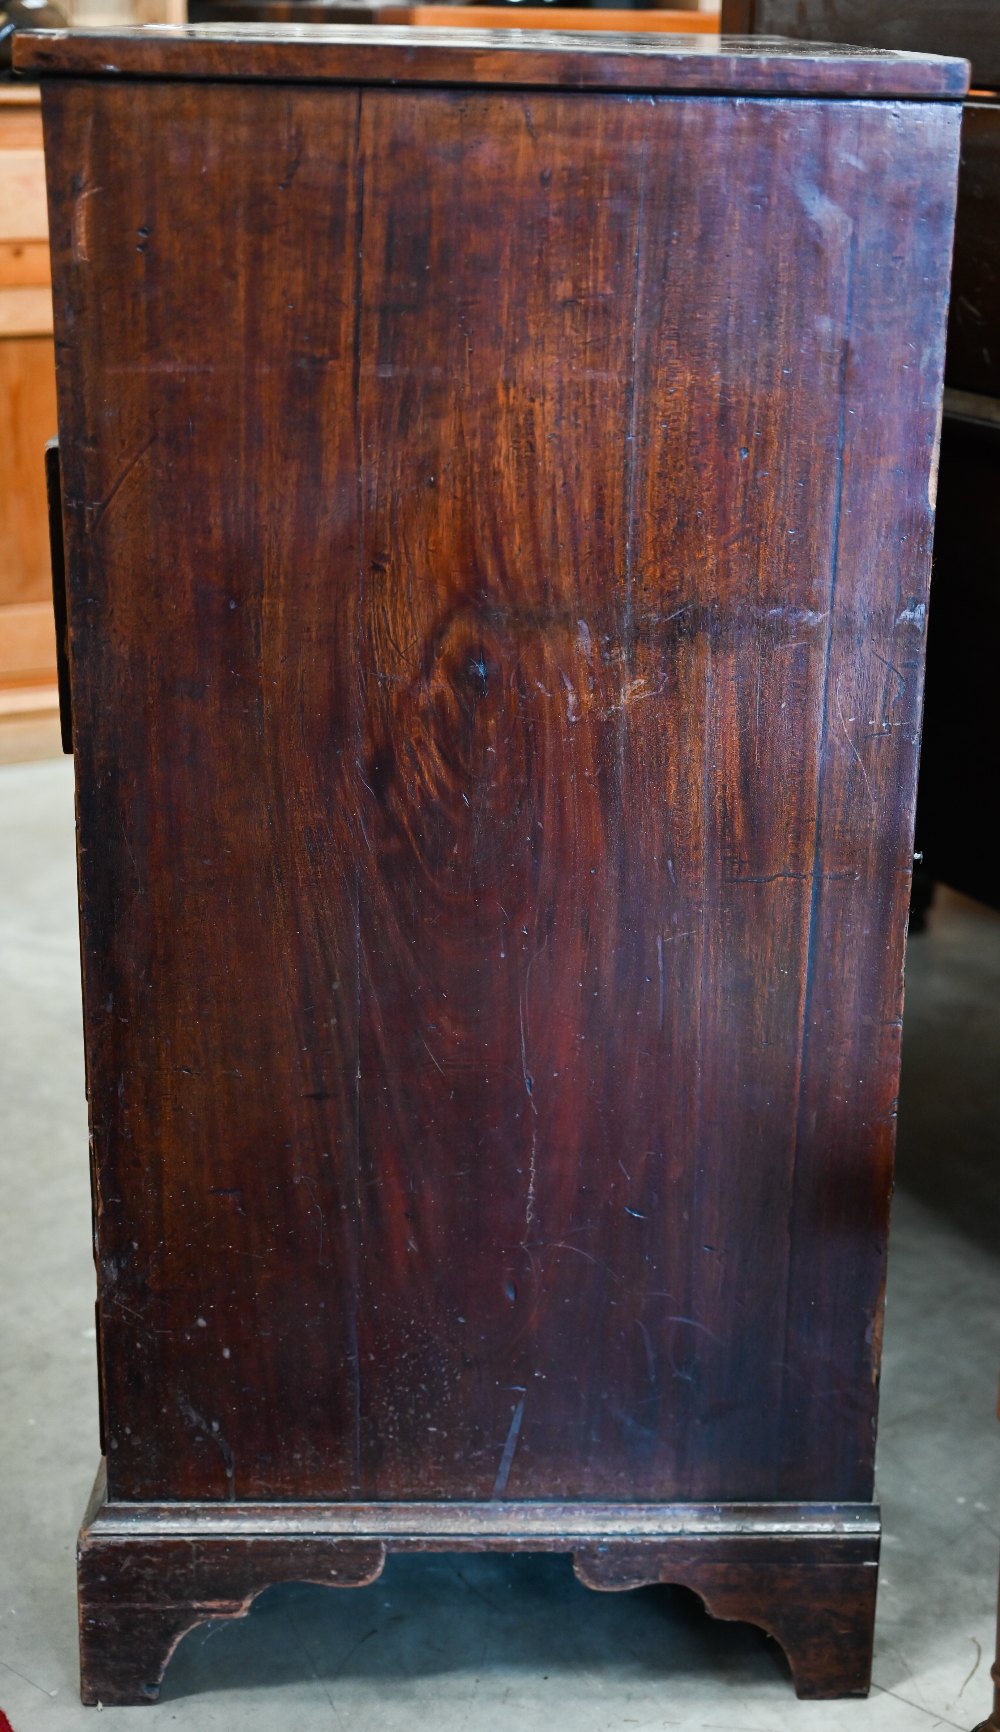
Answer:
[(486, 1643)]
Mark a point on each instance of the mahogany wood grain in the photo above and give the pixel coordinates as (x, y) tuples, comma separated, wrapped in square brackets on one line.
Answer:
[(806, 1574), (817, 1601), (496, 658), (971, 28), (547, 59), (952, 823)]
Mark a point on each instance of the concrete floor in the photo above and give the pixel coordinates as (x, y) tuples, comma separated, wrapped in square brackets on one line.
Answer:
[(450, 1643)]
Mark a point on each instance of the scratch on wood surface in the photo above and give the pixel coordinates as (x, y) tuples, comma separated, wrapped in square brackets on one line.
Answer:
[(211, 1430), (692, 1323), (509, 1450), (647, 1343), (932, 474), (430, 1055), (310, 1184), (529, 1089), (564, 1245), (81, 213), (843, 723), (96, 512), (83, 193)]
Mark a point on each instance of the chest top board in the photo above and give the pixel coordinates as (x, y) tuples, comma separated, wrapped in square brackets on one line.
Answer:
[(497, 483)]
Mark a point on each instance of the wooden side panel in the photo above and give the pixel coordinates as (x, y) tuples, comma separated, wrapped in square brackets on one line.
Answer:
[(604, 940), (213, 581), (734, 544), (495, 430), (501, 520), (845, 1129), (606, 596)]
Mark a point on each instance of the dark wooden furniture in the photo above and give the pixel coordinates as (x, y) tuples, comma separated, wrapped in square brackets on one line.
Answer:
[(954, 829), (497, 546), (971, 28)]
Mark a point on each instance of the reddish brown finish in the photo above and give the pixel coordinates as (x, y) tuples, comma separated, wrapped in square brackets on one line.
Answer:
[(149, 1574), (969, 27), (952, 825), (361, 55), (497, 545), (819, 1607), (817, 1601)]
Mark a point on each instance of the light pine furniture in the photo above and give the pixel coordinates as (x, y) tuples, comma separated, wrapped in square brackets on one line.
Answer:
[(496, 553), (27, 416), (308, 12)]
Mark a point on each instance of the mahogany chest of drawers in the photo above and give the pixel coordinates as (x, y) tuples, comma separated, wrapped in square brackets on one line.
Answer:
[(497, 484)]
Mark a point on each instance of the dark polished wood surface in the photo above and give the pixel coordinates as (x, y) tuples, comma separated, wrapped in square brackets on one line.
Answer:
[(806, 1574), (972, 360), (970, 28), (954, 820), (382, 54), (496, 656)]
